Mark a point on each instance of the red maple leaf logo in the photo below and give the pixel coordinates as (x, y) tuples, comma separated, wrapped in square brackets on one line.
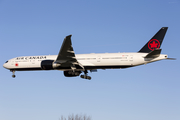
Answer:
[(16, 64), (154, 43)]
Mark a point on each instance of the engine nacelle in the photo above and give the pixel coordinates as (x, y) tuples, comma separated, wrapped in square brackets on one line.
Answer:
[(49, 65), (71, 73)]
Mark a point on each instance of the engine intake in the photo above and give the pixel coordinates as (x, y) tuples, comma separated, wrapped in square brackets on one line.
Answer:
[(47, 64)]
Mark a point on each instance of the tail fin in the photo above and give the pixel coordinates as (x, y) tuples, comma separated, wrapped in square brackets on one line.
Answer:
[(155, 41)]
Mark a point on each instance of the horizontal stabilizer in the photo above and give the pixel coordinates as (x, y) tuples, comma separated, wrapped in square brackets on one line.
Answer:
[(153, 54)]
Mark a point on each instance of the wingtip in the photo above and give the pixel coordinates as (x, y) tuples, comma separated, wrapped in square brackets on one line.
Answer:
[(164, 28), (69, 36)]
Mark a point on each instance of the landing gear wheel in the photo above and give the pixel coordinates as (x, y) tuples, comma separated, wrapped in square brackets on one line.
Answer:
[(13, 73), (86, 77), (13, 76), (82, 76)]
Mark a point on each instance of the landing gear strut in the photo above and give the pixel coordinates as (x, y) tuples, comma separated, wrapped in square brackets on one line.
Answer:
[(85, 75), (13, 73)]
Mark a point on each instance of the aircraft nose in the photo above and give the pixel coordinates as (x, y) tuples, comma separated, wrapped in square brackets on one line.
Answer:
[(5, 65)]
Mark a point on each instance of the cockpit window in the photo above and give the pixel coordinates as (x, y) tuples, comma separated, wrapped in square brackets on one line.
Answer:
[(6, 62)]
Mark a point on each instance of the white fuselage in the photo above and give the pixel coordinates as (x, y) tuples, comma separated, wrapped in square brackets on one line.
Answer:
[(89, 61), (74, 64)]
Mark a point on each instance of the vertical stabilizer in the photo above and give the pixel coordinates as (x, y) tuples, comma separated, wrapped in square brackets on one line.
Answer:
[(155, 42)]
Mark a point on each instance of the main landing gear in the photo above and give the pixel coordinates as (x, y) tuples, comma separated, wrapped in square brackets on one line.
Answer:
[(13, 73), (85, 75)]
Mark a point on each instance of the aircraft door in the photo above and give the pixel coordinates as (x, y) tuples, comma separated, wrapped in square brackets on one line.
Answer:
[(33, 61), (98, 58), (131, 58)]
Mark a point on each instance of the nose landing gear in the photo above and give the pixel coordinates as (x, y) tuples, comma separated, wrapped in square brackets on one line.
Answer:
[(13, 73), (13, 76)]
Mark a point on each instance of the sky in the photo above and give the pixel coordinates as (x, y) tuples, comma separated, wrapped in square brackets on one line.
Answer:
[(38, 27)]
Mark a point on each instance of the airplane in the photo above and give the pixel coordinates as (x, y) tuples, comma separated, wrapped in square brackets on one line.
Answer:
[(74, 64)]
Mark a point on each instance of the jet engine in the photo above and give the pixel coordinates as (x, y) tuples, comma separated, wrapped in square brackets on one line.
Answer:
[(71, 73), (49, 65)]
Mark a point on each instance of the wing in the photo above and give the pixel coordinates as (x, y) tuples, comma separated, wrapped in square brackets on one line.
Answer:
[(66, 56)]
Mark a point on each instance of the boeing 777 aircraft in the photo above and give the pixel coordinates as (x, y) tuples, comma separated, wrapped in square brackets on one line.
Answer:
[(74, 64)]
